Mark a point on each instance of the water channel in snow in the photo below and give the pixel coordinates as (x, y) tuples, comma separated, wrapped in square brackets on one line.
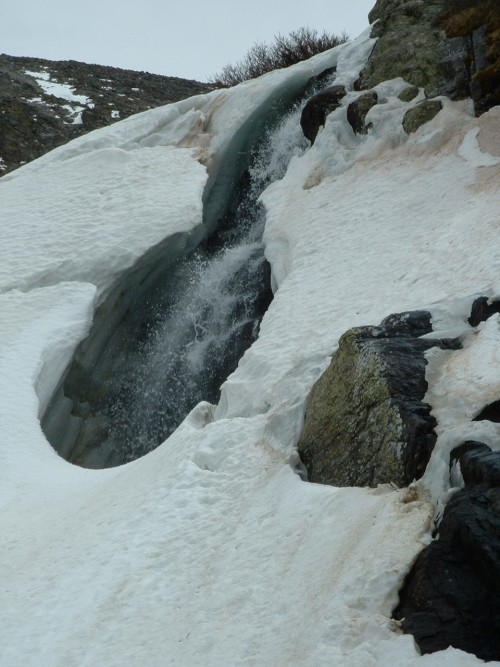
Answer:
[(133, 381)]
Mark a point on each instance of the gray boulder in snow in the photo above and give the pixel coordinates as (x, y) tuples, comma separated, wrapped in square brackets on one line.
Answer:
[(366, 422), (420, 114)]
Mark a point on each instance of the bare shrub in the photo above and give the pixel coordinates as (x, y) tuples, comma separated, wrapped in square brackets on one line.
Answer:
[(286, 50)]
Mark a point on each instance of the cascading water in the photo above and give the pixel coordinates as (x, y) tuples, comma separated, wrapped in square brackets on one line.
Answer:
[(187, 336)]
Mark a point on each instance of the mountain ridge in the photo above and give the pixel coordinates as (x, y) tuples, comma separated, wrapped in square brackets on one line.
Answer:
[(45, 103)]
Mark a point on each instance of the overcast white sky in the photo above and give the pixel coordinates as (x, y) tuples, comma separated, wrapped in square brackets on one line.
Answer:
[(187, 38)]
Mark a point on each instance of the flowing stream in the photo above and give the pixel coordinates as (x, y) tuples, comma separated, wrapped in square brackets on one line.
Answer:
[(133, 382)]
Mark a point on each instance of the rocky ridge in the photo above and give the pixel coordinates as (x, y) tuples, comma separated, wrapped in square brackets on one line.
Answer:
[(45, 103)]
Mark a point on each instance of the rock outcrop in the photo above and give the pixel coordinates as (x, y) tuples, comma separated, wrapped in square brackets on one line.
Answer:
[(366, 422), (450, 49), (475, 26), (45, 103)]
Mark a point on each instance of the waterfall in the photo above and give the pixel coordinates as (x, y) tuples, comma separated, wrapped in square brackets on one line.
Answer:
[(176, 344)]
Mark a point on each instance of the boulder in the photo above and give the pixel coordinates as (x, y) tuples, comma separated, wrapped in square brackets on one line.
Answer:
[(420, 114), (451, 595), (478, 464), (317, 109), (357, 111), (482, 309), (408, 94), (366, 422)]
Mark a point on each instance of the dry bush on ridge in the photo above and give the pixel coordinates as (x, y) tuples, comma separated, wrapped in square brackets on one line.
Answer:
[(286, 50)]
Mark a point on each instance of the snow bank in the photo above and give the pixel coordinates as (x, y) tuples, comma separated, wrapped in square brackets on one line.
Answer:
[(210, 550)]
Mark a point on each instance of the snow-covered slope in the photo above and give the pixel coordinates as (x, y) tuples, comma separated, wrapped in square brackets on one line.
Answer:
[(210, 550)]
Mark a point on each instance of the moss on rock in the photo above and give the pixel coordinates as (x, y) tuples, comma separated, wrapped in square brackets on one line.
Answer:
[(366, 422), (420, 114), (352, 433), (408, 94)]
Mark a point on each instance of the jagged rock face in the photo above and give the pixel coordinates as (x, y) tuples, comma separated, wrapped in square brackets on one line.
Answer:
[(410, 45), (44, 103), (366, 422), (476, 25), (451, 596), (432, 44)]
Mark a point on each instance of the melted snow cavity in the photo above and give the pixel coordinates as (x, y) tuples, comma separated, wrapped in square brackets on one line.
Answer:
[(175, 327)]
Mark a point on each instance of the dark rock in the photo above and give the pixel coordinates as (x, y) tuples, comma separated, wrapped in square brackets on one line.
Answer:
[(366, 422), (420, 114), (490, 413), (408, 94), (317, 109), (27, 130), (478, 464), (474, 25), (97, 117), (408, 324), (451, 597), (357, 111), (481, 310), (33, 122)]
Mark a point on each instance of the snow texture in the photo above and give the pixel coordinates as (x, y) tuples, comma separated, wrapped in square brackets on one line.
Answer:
[(210, 550)]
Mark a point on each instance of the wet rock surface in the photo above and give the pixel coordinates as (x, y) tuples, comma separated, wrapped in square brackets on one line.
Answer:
[(45, 103), (451, 595), (366, 422)]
